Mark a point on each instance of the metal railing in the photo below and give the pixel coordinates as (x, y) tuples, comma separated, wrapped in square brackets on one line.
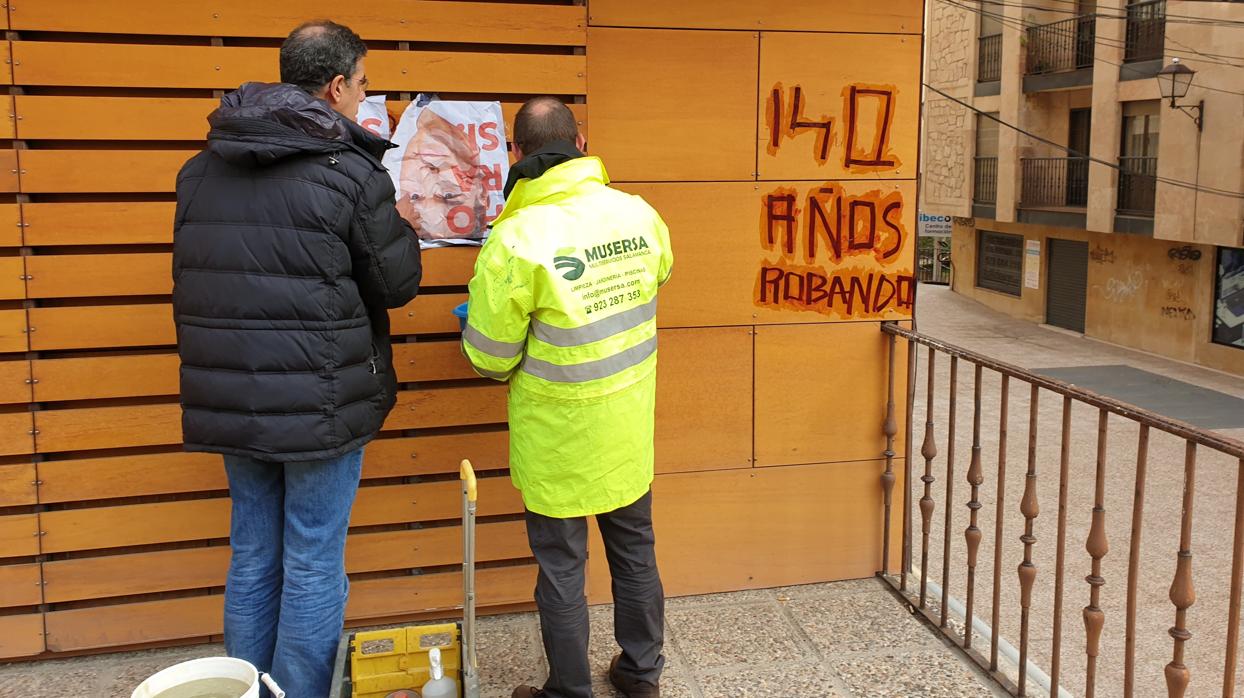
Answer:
[(1146, 31), (1054, 182), (1170, 494), (1138, 185), (989, 58), (985, 184), (1063, 46)]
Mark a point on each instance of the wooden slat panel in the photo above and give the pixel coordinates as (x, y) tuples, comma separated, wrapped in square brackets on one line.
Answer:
[(22, 585), (101, 171), (105, 377), (196, 568), (85, 479), (429, 455), (10, 225), (15, 381), (201, 616), (699, 367), (8, 172), (136, 223), (83, 275), (12, 285), (431, 361), (19, 535), (21, 636), (427, 314), (6, 51), (696, 89), (13, 336), (448, 266), (17, 485), (107, 427), (397, 20), (8, 118), (137, 65), (448, 407), (863, 16), (801, 416), (15, 433), (431, 501), (98, 327)]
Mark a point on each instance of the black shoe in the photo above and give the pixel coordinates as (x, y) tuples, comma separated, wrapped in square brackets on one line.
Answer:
[(631, 688), (527, 692)]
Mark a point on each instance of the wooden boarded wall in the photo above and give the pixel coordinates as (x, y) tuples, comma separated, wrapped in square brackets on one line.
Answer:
[(769, 413)]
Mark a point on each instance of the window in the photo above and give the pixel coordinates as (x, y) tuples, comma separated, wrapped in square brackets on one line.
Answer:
[(1229, 298), (1138, 158), (1140, 129), (1000, 262), (985, 187)]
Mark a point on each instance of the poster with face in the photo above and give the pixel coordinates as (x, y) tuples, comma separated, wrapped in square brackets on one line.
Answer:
[(449, 169), (374, 117)]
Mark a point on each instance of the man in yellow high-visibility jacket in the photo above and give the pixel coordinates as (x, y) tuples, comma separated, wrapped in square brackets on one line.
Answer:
[(563, 307)]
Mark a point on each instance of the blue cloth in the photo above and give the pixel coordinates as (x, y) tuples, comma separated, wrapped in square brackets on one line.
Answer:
[(285, 596)]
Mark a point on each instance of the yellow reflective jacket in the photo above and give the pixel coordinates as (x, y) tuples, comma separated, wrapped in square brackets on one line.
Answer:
[(563, 306)]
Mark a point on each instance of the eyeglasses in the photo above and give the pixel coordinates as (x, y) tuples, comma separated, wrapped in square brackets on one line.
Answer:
[(363, 82)]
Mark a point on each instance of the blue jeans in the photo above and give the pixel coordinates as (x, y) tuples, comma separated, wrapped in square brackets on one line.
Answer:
[(285, 596)]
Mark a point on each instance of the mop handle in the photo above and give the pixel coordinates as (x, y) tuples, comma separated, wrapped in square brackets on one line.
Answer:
[(470, 666)]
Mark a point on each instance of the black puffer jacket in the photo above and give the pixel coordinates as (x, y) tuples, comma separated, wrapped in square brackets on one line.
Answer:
[(287, 252)]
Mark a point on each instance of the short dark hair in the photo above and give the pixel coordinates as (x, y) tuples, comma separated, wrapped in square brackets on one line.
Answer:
[(318, 51), (541, 121)]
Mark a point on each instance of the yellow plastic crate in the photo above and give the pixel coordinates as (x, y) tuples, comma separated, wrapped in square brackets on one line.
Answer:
[(384, 662)]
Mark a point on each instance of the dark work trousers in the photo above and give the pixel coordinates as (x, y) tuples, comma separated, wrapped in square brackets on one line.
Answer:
[(560, 546)]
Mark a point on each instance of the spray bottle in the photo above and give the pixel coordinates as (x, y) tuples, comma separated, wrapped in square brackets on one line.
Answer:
[(439, 686)]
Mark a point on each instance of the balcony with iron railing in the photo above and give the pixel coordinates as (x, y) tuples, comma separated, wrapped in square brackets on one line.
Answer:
[(1146, 31), (1138, 187), (1060, 55), (1054, 190), (989, 58), (985, 187)]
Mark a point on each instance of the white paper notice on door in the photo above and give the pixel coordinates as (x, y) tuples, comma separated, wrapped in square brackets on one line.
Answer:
[(1032, 264)]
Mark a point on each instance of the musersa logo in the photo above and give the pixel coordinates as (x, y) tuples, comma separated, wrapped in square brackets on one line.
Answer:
[(615, 248), (571, 266)]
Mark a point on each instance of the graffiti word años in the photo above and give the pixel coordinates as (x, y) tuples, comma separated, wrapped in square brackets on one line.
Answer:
[(1119, 290), (1102, 255), (834, 224), (1178, 312), (785, 112), (847, 293)]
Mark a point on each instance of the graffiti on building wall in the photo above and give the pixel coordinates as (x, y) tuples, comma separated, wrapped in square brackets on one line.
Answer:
[(1101, 255), (1125, 288), (836, 248)]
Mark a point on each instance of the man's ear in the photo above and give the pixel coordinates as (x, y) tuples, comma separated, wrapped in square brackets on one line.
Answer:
[(580, 142), (518, 152), (335, 90)]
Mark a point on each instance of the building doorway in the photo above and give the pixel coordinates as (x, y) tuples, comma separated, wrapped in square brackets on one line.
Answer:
[(1066, 284)]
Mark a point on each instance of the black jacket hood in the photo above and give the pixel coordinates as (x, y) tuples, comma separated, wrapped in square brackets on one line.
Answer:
[(261, 123)]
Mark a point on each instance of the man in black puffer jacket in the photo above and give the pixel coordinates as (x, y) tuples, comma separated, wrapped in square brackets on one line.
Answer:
[(288, 252)]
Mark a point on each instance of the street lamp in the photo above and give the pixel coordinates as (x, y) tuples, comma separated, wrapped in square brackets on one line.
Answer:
[(1174, 81)]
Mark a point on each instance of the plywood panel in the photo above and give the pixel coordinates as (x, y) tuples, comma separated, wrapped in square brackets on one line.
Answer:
[(84, 479), (8, 118), (397, 20), (10, 225), (808, 15), (12, 285), (19, 535), (21, 635), (780, 526), (719, 234), (673, 105), (83, 275), (431, 455), (431, 361), (879, 124), (448, 266), (16, 437), (17, 485), (8, 171), (98, 327), (6, 50), (22, 584), (447, 407), (498, 586), (426, 314), (14, 381), (433, 547), (13, 335), (828, 410), (101, 171), (698, 368), (431, 501), (107, 427), (105, 377), (125, 222), (141, 65)]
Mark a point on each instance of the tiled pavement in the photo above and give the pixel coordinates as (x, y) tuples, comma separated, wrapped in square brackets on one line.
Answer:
[(840, 640)]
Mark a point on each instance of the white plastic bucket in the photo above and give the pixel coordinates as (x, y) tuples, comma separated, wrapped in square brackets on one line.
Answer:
[(207, 668)]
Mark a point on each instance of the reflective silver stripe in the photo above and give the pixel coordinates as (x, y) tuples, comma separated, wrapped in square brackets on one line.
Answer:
[(595, 331), (501, 350), (591, 370)]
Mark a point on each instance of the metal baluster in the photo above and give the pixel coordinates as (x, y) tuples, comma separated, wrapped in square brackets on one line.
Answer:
[(1237, 580), (999, 518), (973, 533), (1097, 546), (950, 490), (887, 478), (1056, 654), (1183, 594), (1030, 509), (1133, 561), (929, 451), (912, 355)]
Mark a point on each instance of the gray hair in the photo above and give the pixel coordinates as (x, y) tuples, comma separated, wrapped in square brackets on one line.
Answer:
[(318, 51)]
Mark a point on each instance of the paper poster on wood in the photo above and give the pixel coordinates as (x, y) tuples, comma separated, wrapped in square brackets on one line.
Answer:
[(449, 169), (1032, 264), (374, 116)]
